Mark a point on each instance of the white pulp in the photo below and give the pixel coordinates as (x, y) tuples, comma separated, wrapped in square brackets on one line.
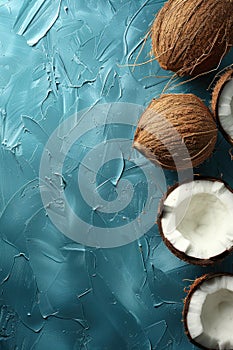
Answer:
[(225, 108), (210, 313), (197, 218)]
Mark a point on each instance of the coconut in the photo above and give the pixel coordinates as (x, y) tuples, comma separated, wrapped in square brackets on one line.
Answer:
[(176, 131), (195, 220), (208, 310), (191, 37), (222, 104)]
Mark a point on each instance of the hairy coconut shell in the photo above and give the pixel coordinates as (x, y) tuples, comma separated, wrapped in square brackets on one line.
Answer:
[(191, 37), (227, 76), (176, 131), (193, 288)]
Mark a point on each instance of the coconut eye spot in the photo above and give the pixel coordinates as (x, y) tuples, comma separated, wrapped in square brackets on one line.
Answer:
[(204, 222), (225, 108)]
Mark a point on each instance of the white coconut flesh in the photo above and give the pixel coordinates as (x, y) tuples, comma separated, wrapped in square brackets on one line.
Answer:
[(197, 218), (210, 313), (225, 108)]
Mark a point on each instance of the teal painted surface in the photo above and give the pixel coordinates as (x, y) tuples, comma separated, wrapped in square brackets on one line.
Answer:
[(58, 58)]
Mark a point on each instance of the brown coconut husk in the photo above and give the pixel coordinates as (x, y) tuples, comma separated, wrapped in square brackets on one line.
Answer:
[(191, 37), (176, 131)]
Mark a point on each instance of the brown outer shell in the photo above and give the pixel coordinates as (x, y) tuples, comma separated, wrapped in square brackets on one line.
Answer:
[(196, 284), (191, 37), (180, 122), (179, 254), (227, 76)]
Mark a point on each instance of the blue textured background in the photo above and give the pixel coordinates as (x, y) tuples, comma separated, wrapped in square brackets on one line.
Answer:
[(57, 57)]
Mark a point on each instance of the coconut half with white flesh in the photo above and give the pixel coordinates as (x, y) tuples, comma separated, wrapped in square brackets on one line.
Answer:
[(195, 220), (208, 312), (222, 104)]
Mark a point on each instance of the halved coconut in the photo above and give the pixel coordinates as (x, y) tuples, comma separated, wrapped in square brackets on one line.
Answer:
[(222, 104), (208, 312), (195, 220)]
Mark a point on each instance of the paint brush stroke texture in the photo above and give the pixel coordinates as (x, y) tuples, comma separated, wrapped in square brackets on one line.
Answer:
[(57, 58), (35, 19)]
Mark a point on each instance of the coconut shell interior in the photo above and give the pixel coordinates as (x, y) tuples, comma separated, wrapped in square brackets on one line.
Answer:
[(180, 254), (193, 288), (226, 77)]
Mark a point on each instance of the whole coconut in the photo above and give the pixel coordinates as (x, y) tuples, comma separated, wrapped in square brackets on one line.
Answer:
[(191, 37), (176, 131)]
